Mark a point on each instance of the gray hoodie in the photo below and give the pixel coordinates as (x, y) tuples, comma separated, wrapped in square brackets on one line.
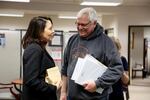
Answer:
[(103, 49)]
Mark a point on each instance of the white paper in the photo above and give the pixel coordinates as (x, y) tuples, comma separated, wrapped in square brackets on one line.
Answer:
[(77, 68), (88, 68)]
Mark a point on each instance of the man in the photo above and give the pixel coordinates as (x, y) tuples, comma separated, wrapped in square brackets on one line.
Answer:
[(90, 40)]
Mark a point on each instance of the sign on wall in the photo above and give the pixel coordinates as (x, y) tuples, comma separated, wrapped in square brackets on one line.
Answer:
[(2, 39)]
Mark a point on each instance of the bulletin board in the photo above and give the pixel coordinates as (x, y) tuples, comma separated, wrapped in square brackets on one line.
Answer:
[(2, 39), (55, 48), (109, 32), (57, 39)]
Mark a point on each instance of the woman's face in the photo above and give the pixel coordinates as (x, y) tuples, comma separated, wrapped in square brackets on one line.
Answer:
[(48, 33)]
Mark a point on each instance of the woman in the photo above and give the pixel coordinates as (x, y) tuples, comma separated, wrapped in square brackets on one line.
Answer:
[(36, 60), (120, 86)]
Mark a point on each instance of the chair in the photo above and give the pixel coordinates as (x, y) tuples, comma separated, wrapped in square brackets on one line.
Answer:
[(8, 92), (17, 82), (137, 68)]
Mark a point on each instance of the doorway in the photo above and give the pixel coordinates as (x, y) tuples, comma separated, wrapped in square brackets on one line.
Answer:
[(139, 51)]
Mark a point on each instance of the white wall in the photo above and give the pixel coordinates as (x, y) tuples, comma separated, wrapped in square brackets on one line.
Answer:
[(147, 32), (136, 16), (10, 56), (22, 23), (110, 21), (132, 18)]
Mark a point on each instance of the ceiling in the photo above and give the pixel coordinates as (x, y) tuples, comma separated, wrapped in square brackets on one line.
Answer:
[(66, 7)]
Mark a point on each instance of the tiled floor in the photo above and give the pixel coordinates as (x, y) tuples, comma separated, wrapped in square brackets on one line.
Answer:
[(139, 92), (140, 89)]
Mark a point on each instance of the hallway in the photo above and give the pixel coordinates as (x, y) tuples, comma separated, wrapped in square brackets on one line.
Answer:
[(140, 89), (139, 92)]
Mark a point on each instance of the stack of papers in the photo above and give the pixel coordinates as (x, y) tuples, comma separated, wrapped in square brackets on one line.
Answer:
[(88, 68)]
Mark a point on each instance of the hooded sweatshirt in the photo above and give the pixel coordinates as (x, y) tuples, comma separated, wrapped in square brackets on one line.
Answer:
[(101, 47)]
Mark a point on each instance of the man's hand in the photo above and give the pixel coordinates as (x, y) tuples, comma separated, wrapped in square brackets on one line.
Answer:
[(90, 86)]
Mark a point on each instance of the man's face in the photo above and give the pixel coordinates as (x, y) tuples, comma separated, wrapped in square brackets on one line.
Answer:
[(84, 26)]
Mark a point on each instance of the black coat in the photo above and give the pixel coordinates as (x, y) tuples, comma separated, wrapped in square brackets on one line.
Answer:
[(35, 62)]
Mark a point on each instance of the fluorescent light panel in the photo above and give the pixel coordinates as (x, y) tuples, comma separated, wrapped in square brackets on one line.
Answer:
[(101, 2), (16, 0), (12, 15), (67, 17)]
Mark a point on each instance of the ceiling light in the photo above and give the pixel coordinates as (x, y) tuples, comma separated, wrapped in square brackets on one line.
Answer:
[(67, 17), (16, 0), (101, 2), (11, 13)]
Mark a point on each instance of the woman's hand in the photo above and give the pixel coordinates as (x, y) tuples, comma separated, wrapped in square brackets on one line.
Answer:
[(125, 78), (58, 85), (63, 96)]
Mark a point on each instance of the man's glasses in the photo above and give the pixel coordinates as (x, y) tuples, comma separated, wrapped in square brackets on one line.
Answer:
[(83, 25)]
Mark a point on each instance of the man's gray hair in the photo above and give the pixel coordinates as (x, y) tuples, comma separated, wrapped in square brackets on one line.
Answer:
[(90, 12)]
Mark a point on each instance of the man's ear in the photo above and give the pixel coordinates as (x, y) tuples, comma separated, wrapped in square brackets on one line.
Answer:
[(95, 22)]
